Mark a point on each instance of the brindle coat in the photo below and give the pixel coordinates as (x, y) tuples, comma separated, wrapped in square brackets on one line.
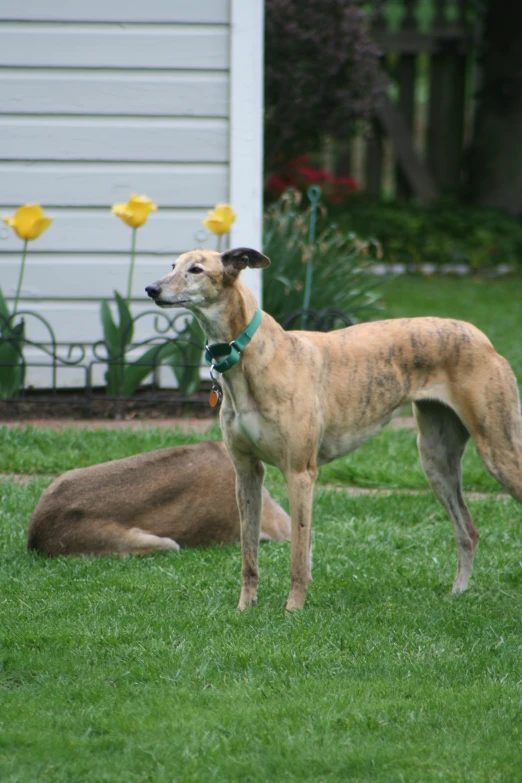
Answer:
[(297, 400), (155, 501)]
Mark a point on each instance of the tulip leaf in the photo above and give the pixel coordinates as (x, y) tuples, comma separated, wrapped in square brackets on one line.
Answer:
[(12, 368), (110, 330), (114, 377), (126, 327), (4, 310), (11, 371), (117, 338), (136, 372)]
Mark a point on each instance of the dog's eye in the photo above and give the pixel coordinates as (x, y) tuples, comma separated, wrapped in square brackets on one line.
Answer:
[(195, 270)]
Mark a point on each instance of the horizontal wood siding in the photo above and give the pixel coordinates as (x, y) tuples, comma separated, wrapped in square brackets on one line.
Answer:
[(99, 101), (65, 277), (167, 140), (129, 92), (99, 184), (113, 46), (154, 11), (98, 230)]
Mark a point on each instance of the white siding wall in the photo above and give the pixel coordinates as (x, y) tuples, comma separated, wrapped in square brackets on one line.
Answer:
[(103, 99)]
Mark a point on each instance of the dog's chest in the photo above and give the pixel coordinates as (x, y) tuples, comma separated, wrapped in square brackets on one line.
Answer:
[(249, 426), (253, 430)]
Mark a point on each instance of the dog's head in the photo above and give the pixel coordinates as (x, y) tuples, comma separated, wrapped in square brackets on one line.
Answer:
[(199, 277)]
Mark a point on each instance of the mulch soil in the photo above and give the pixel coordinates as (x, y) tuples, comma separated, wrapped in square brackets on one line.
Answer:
[(147, 408), (76, 406)]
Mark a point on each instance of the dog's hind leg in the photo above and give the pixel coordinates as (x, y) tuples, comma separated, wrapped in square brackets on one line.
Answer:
[(113, 538), (139, 542), (97, 537), (441, 441)]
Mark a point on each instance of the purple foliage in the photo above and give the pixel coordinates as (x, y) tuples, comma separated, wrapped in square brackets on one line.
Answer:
[(322, 73)]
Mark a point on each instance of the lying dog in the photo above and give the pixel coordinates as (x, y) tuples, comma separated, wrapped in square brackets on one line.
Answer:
[(297, 400), (156, 501)]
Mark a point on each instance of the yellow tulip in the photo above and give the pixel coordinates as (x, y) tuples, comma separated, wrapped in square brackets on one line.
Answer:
[(29, 222), (136, 211), (220, 219)]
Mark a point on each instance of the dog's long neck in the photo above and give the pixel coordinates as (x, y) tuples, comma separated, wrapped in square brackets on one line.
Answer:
[(225, 319)]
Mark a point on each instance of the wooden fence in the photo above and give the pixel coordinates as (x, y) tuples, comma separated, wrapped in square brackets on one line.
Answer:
[(422, 126)]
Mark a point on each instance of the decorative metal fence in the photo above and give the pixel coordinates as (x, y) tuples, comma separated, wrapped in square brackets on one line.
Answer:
[(175, 343)]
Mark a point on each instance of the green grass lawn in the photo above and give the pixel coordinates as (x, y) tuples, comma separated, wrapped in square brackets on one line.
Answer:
[(140, 669), (387, 461)]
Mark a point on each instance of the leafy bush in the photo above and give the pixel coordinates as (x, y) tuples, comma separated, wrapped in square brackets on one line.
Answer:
[(443, 234), (322, 73), (342, 278)]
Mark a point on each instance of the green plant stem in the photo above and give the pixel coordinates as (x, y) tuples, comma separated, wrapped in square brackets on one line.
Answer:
[(308, 291), (20, 278), (131, 270), (220, 239), (314, 194)]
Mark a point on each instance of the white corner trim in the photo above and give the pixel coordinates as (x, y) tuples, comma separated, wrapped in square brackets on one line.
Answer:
[(246, 128)]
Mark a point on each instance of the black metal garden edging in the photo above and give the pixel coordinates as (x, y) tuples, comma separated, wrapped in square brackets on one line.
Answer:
[(168, 346)]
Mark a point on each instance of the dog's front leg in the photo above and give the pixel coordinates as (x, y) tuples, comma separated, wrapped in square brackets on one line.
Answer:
[(250, 473), (300, 496)]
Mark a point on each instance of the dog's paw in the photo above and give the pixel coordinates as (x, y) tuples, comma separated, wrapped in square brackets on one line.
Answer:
[(169, 545), (459, 588), (244, 605), (247, 599), (293, 605), (461, 583)]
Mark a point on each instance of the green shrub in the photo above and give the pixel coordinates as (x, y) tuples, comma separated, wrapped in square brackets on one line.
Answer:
[(342, 277), (443, 234)]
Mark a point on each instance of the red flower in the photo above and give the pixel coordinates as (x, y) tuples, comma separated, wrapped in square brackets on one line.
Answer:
[(277, 184), (299, 174)]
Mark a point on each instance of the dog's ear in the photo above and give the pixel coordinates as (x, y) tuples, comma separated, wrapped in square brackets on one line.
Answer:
[(238, 259)]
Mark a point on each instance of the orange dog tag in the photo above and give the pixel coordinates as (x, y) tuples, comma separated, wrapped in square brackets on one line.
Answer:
[(213, 398)]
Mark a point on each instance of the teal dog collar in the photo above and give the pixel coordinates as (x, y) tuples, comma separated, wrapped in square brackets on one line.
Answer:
[(231, 351)]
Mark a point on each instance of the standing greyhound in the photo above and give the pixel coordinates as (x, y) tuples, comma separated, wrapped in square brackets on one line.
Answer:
[(297, 400)]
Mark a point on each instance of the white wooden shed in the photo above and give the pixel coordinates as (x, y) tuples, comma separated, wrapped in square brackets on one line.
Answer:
[(103, 99)]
